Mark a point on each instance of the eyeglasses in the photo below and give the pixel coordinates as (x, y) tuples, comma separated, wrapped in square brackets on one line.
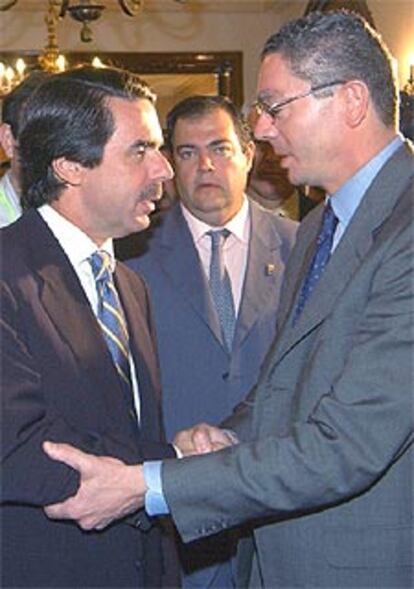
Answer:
[(273, 110)]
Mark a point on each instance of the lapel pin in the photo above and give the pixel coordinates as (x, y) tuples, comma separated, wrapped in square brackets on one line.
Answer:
[(270, 269)]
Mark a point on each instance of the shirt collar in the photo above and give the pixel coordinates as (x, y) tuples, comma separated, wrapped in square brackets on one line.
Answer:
[(346, 200), (238, 225), (75, 243)]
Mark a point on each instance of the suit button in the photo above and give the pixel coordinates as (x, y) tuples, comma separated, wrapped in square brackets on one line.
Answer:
[(225, 376)]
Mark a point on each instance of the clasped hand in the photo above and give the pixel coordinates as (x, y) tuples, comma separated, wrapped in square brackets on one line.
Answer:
[(110, 489)]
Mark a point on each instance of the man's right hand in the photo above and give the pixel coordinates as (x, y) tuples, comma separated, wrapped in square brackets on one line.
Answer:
[(202, 439), (109, 489)]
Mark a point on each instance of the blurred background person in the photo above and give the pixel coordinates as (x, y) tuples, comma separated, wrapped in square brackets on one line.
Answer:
[(407, 115), (268, 183), (10, 206)]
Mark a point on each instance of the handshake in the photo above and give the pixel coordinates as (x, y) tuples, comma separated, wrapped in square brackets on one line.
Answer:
[(110, 489)]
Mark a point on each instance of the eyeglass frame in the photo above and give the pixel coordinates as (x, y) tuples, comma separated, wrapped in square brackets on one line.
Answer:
[(272, 110)]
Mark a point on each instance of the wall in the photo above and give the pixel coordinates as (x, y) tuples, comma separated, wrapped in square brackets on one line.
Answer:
[(227, 25), (394, 19)]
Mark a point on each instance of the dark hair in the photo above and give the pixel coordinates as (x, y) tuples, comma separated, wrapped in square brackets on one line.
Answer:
[(69, 117), (15, 100), (338, 45), (357, 6), (195, 107)]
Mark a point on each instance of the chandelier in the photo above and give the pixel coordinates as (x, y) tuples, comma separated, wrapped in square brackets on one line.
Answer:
[(83, 11), (86, 11)]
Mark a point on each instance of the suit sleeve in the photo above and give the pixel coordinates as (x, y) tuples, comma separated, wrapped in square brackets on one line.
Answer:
[(28, 476), (29, 418), (360, 428)]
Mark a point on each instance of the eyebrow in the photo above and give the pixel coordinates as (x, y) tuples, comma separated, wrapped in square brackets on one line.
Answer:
[(146, 144), (267, 94), (194, 146)]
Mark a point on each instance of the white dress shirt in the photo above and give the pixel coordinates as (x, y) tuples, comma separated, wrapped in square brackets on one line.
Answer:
[(235, 249)]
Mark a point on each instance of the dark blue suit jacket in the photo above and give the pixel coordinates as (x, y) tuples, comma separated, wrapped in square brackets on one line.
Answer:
[(58, 383)]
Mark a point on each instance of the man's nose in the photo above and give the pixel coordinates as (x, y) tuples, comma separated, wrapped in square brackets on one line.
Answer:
[(162, 169), (205, 162), (265, 128)]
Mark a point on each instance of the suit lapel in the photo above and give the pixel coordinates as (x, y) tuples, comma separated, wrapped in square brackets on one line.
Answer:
[(179, 259), (65, 303), (143, 352), (376, 205), (264, 264)]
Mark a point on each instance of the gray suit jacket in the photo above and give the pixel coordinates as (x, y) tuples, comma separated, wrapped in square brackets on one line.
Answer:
[(326, 471)]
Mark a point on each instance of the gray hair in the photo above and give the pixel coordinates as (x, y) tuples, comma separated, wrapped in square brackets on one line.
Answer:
[(339, 45)]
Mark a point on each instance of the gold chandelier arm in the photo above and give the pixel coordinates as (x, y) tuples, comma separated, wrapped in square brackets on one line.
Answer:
[(6, 5), (131, 7), (64, 5)]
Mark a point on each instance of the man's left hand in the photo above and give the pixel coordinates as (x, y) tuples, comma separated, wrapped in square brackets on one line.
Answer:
[(202, 439), (109, 489)]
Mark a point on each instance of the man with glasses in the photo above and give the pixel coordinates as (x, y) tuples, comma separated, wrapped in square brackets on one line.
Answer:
[(273, 110), (321, 453)]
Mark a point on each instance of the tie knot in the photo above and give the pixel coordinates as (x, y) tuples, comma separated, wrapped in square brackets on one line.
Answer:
[(329, 223), (101, 265), (218, 236)]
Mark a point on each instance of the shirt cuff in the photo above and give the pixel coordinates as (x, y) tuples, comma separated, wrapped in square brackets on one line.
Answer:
[(155, 503), (232, 436), (177, 451)]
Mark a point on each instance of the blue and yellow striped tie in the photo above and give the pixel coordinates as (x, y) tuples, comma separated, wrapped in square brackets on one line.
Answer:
[(110, 315)]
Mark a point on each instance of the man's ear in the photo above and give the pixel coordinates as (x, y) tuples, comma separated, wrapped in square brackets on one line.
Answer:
[(249, 151), (7, 141), (356, 97), (68, 171)]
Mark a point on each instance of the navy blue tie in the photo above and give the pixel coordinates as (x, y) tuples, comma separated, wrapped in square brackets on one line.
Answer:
[(111, 316), (220, 286), (320, 259)]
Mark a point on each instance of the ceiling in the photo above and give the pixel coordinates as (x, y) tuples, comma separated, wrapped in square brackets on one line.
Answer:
[(222, 6)]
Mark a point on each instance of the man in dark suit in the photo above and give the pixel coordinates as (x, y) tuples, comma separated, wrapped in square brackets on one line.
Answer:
[(203, 379), (324, 459), (81, 132)]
